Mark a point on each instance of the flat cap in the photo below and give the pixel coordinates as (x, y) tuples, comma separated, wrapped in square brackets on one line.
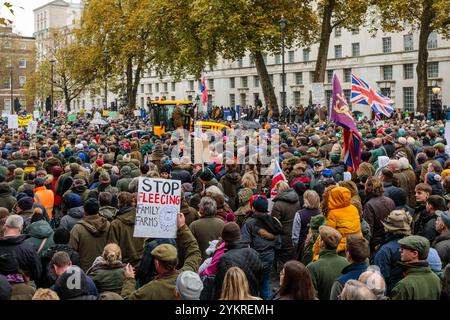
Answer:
[(165, 252), (417, 243)]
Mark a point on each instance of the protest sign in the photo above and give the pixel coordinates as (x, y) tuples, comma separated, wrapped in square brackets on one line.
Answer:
[(158, 204), (317, 93), (23, 120), (105, 113), (113, 115), (36, 114), (72, 117), (13, 121), (32, 127), (137, 113)]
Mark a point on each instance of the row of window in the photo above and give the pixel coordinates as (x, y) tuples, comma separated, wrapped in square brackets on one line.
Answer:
[(22, 63), (408, 71), (8, 45), (7, 82)]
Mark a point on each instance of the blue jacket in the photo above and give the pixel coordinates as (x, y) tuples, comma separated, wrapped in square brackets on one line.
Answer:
[(352, 272), (386, 258)]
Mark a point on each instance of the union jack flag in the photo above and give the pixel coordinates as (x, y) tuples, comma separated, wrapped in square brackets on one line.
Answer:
[(364, 94)]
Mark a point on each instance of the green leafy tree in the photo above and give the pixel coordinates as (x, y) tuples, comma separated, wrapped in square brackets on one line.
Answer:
[(423, 15), (5, 6)]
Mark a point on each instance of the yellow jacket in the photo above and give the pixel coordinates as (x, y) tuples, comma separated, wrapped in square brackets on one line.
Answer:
[(342, 216)]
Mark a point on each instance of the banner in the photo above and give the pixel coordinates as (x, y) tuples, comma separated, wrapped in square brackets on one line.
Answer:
[(158, 205), (32, 127), (23, 120), (13, 121), (72, 117)]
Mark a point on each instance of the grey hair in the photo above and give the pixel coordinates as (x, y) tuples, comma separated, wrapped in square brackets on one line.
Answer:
[(373, 279), (214, 190), (14, 222), (208, 206), (356, 290)]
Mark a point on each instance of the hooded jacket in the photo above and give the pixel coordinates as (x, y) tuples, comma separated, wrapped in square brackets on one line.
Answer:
[(89, 237), (231, 182), (108, 212), (342, 216), (442, 246), (72, 217), (284, 208), (121, 233), (6, 198), (39, 232)]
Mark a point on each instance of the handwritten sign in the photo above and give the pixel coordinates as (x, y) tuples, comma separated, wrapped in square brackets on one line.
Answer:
[(13, 121), (317, 93), (32, 127), (158, 204)]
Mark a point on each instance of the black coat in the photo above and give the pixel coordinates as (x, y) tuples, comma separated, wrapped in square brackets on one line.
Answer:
[(442, 246), (25, 254), (48, 278), (239, 254)]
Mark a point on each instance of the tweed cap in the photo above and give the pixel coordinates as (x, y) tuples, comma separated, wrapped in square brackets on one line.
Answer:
[(165, 252), (330, 236), (417, 243)]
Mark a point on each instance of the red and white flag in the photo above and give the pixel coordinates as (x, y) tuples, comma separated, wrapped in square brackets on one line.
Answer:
[(278, 176)]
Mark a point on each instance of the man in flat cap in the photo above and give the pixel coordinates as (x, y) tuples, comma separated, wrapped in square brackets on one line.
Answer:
[(420, 283), (442, 241), (162, 287)]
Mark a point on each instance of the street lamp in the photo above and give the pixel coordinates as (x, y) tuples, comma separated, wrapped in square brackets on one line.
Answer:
[(105, 55), (11, 85), (52, 62), (197, 103), (283, 25), (436, 103)]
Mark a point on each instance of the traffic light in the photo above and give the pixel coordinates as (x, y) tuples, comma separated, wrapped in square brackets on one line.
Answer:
[(17, 105)]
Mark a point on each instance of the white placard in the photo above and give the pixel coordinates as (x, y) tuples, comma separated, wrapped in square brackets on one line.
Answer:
[(318, 94), (137, 113), (32, 127), (13, 121), (158, 205), (447, 137), (36, 114)]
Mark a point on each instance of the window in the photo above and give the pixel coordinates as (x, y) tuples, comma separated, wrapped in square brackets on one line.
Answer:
[(297, 98), (142, 102), (211, 84), (298, 78), (232, 83), (7, 44), (355, 31), (311, 76), (337, 32), (408, 98), (386, 92), (432, 40), (306, 54), (239, 62), (165, 84), (244, 82), (431, 97), (338, 51), (191, 85), (150, 87), (291, 56), (172, 98), (232, 100), (355, 49), (7, 83), (408, 71), (328, 94), (408, 42), (252, 60), (8, 62), (23, 46), (22, 63), (256, 81), (7, 105), (277, 58), (387, 72), (347, 75), (387, 45), (243, 99), (157, 86), (329, 76), (347, 95), (142, 88), (173, 85), (433, 69)]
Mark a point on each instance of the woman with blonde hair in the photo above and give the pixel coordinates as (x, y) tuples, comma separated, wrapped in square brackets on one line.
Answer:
[(45, 294), (302, 218), (249, 181), (107, 271), (235, 286)]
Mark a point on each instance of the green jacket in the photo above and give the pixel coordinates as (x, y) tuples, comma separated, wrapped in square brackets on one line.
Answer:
[(40, 231), (162, 287), (325, 271), (7, 200), (107, 277), (420, 283), (121, 233), (16, 183), (123, 183), (108, 212), (89, 237)]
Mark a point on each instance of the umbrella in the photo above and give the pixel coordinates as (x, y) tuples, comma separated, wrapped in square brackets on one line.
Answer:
[(99, 121)]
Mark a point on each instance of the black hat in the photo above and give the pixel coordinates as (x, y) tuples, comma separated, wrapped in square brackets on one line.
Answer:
[(91, 206), (206, 175), (61, 236), (260, 204)]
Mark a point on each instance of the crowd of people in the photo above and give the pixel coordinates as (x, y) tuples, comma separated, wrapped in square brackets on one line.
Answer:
[(68, 209)]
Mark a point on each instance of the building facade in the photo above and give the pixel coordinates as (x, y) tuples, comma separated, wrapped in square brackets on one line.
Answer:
[(387, 61), (17, 61)]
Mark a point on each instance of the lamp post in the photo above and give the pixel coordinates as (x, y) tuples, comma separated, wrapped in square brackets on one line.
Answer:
[(436, 103), (283, 25), (52, 62), (11, 85), (197, 103), (105, 55)]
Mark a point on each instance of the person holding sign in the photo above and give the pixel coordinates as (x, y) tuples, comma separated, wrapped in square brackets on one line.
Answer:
[(165, 256)]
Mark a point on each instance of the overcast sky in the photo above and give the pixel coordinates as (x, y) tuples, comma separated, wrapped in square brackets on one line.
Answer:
[(24, 17)]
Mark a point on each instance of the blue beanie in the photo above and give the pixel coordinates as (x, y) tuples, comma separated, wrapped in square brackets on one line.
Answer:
[(26, 203), (73, 200), (327, 173), (82, 156)]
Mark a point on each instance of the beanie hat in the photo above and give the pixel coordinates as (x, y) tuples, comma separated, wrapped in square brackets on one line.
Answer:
[(104, 177), (91, 206), (230, 217), (445, 217), (327, 173), (231, 232), (335, 157), (189, 285), (99, 162), (61, 236), (73, 200), (56, 171), (260, 204), (206, 175), (25, 203)]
